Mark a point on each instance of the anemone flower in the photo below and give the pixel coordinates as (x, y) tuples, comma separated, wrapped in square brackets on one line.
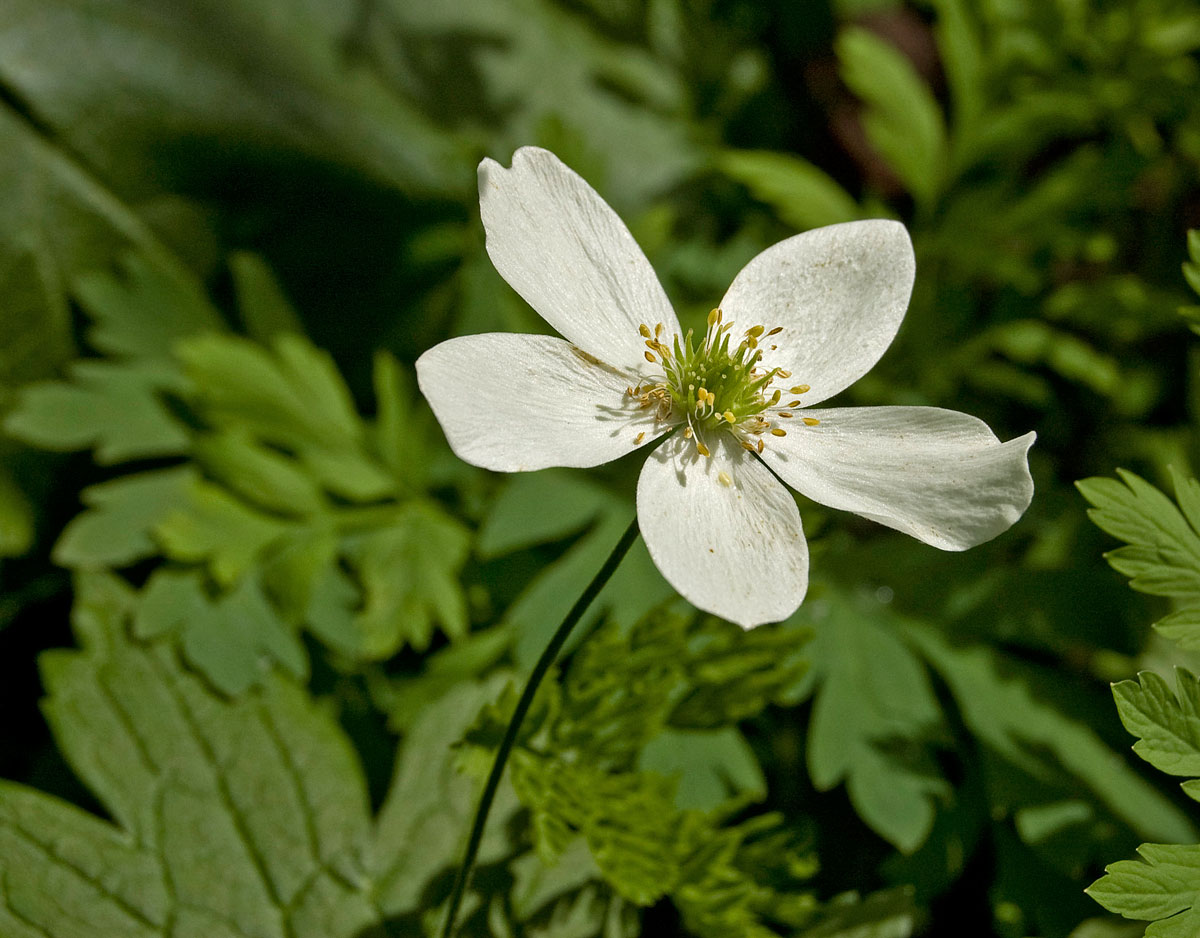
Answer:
[(813, 313)]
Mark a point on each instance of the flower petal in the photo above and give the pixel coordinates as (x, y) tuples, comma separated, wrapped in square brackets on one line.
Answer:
[(939, 475), (838, 293), (735, 550), (513, 403), (561, 247)]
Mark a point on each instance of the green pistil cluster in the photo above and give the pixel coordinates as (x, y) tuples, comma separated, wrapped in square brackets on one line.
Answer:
[(717, 385)]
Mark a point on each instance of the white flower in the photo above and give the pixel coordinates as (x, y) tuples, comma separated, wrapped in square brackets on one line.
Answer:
[(814, 313)]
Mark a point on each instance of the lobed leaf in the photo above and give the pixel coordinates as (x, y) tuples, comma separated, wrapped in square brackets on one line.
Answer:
[(1167, 724)]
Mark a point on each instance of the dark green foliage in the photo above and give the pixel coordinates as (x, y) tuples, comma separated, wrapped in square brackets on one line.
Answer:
[(229, 227)]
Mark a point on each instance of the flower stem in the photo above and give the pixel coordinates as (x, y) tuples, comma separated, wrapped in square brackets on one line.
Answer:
[(549, 654)]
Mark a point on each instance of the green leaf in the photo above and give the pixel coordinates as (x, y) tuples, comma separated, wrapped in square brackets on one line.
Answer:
[(709, 766), (1167, 725), (902, 119), (803, 195), (874, 717), (16, 517), (56, 222), (229, 818), (889, 914), (409, 574), (145, 309), (215, 78), (1001, 707), (233, 640), (113, 409), (430, 803), (265, 309), (1162, 887), (117, 529), (1163, 556)]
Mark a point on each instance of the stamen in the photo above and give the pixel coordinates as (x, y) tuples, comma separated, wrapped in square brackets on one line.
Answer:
[(723, 478), (729, 417), (644, 330), (641, 436), (650, 358), (702, 449), (811, 421), (800, 389), (776, 431)]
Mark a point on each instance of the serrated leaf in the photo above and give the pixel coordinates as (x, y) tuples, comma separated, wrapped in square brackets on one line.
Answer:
[(290, 395), (803, 195), (230, 818), (902, 119), (113, 409), (234, 640), (259, 474), (212, 527), (875, 714), (1167, 724), (1162, 887), (143, 310), (117, 527), (409, 573), (1163, 556)]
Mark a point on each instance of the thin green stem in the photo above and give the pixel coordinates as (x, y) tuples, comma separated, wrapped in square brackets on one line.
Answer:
[(463, 878)]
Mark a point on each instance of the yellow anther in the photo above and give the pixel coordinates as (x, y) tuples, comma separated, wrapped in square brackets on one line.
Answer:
[(811, 421), (784, 413), (729, 417), (785, 374), (641, 436), (649, 357), (775, 398), (687, 433), (644, 330), (658, 330), (629, 392), (801, 389), (776, 330), (747, 446), (793, 403), (702, 449), (714, 316), (777, 431), (723, 478), (760, 446), (755, 331)]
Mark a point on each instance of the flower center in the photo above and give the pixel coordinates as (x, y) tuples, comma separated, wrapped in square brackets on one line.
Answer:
[(717, 385)]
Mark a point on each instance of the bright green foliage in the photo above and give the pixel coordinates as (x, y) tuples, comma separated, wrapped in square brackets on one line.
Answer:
[(874, 717), (579, 768), (230, 818), (292, 511), (1167, 725), (802, 194), (902, 119), (1163, 887), (1163, 552)]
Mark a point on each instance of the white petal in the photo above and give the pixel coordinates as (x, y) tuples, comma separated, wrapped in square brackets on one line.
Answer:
[(939, 475), (735, 550), (838, 293), (513, 403), (561, 247)]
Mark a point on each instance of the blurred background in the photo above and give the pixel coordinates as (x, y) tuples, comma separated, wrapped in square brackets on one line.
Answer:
[(228, 228)]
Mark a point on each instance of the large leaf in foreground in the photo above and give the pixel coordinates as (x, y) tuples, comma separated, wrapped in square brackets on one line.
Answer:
[(230, 818)]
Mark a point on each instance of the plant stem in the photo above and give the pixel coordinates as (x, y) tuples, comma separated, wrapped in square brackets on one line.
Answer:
[(549, 654)]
